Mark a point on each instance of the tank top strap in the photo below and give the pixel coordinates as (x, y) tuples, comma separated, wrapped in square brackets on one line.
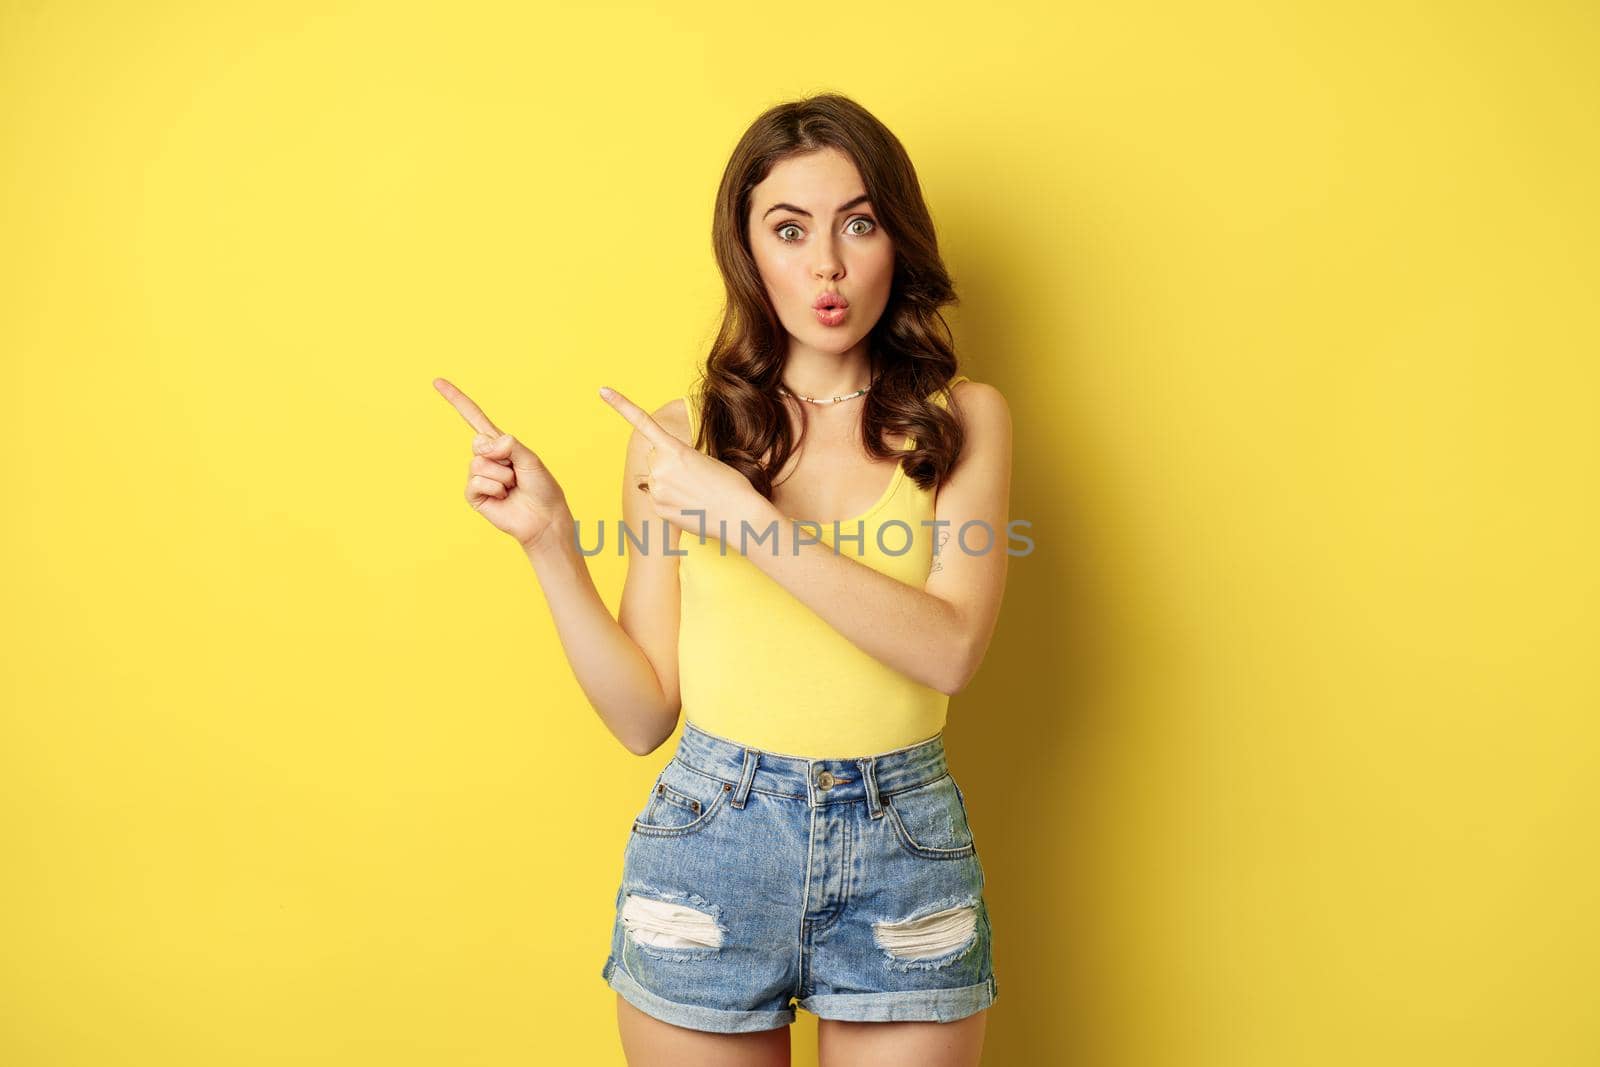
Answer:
[(691, 401), (938, 398)]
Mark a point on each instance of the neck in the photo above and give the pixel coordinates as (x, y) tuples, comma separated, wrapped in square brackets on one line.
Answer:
[(826, 374)]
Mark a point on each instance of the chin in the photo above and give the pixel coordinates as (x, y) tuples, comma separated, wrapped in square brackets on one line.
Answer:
[(834, 344)]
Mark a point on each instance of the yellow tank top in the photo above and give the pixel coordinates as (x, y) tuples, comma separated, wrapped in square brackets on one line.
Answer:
[(759, 667)]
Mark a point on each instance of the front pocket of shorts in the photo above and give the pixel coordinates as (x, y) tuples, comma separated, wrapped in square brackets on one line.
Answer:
[(682, 801), (930, 820)]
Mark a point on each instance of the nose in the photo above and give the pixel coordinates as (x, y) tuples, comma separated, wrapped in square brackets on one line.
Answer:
[(828, 264)]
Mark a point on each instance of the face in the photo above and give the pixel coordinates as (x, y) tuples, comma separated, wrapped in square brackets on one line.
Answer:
[(812, 230)]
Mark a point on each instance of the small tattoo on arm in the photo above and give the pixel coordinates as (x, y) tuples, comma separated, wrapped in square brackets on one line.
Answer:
[(938, 553)]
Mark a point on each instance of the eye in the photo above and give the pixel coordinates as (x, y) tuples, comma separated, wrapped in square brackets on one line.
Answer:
[(871, 225)]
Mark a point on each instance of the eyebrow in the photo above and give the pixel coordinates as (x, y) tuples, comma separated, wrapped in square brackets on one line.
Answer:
[(862, 199)]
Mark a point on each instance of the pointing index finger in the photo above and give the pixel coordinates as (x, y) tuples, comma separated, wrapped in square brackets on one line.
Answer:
[(649, 427), (469, 411)]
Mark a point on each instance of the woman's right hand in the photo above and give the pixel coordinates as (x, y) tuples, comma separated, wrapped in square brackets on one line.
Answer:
[(506, 482)]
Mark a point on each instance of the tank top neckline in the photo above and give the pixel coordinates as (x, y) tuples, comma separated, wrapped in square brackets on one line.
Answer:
[(895, 479)]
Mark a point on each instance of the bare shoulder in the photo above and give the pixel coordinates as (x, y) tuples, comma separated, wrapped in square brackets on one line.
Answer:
[(982, 406)]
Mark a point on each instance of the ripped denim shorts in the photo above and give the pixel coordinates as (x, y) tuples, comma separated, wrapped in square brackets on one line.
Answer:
[(754, 882)]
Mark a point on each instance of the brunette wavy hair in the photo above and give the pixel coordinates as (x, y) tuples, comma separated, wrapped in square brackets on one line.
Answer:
[(912, 355)]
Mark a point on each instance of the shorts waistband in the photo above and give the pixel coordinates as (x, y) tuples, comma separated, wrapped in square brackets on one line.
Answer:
[(818, 781)]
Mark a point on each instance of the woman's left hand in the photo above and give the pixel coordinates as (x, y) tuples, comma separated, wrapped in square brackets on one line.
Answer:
[(682, 477)]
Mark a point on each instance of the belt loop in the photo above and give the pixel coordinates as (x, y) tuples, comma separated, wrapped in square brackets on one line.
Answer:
[(751, 757), (869, 776)]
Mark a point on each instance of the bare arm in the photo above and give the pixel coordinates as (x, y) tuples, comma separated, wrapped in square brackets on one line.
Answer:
[(627, 666), (938, 634)]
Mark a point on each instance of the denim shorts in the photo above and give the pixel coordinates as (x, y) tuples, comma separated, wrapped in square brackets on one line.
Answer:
[(754, 882)]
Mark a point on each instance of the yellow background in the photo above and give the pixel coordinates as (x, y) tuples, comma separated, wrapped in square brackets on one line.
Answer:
[(1285, 751)]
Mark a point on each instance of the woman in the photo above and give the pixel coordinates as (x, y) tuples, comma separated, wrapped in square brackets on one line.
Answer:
[(805, 844)]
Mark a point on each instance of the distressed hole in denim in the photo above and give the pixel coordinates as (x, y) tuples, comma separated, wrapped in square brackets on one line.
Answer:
[(669, 927), (935, 938)]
